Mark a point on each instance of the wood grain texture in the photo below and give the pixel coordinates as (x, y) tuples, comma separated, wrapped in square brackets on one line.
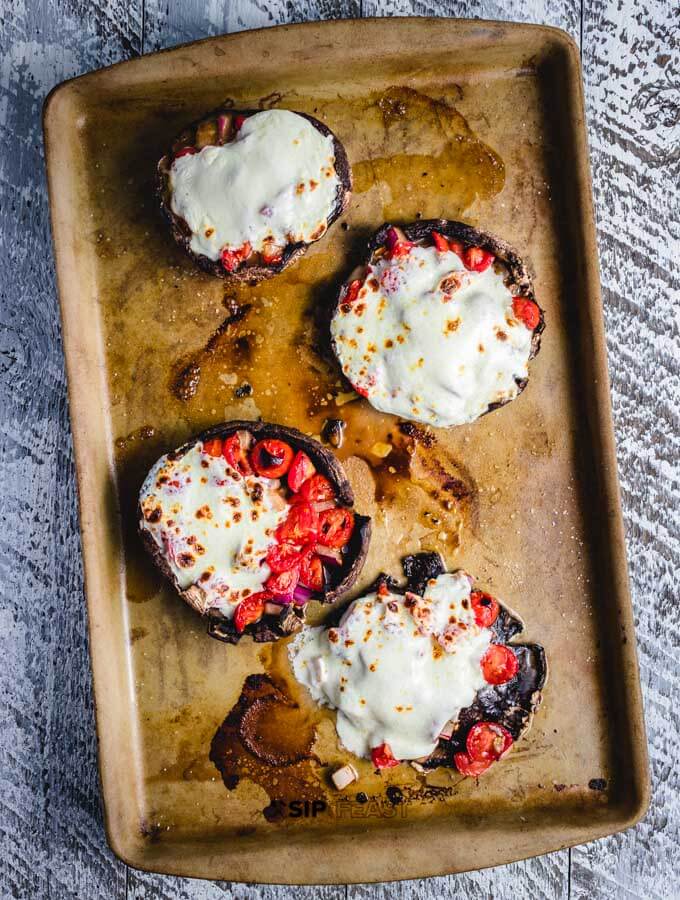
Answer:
[(631, 58), (52, 838)]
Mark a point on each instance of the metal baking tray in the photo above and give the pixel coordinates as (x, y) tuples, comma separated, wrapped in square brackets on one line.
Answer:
[(463, 119)]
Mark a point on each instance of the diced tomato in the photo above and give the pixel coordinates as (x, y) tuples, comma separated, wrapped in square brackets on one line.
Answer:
[(213, 447), (335, 526), (238, 122), (283, 583), (485, 608), (283, 557), (397, 245), (250, 610), (471, 768), (271, 254), (186, 151), (352, 291), (271, 458), (383, 590), (301, 525), (383, 758), (457, 247), (232, 259), (488, 741), (526, 311), (499, 664), (476, 259), (361, 391), (316, 489), (311, 572), (440, 242), (301, 470), (235, 454)]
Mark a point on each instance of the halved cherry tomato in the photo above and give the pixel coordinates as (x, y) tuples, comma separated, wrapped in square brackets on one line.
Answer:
[(301, 525), (457, 247), (232, 259), (396, 245), (485, 608), (301, 469), (235, 454), (526, 311), (271, 458), (440, 242), (499, 664), (250, 610), (383, 758), (271, 254), (488, 741), (283, 557), (471, 768), (352, 291), (283, 582), (238, 122), (213, 447), (477, 259), (311, 572), (316, 489), (186, 151), (335, 526)]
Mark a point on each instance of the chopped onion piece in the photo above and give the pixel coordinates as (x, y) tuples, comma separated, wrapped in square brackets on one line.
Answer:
[(302, 594), (329, 554), (343, 777)]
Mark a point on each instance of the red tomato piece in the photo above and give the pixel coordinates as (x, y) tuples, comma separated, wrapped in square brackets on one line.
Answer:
[(301, 525), (488, 741), (271, 254), (301, 470), (526, 311), (271, 458), (352, 291), (440, 242), (250, 610), (311, 572), (485, 608), (235, 454), (499, 664), (477, 260), (238, 122), (283, 583), (383, 758), (232, 259), (283, 557), (186, 151), (213, 447), (335, 526), (457, 247), (471, 768), (396, 244), (316, 489)]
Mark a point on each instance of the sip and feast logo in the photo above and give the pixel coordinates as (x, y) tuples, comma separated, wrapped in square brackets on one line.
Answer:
[(362, 807)]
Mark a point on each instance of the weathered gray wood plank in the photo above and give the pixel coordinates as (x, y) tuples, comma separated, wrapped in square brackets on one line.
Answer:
[(631, 58), (51, 837)]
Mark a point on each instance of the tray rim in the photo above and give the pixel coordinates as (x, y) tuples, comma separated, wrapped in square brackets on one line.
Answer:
[(140, 70)]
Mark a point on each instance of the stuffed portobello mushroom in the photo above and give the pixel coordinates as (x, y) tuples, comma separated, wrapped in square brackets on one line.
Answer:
[(246, 191), (424, 673), (250, 521), (439, 325)]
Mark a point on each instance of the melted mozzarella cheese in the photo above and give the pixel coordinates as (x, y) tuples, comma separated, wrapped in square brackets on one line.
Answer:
[(212, 526), (429, 341), (397, 668), (275, 181)]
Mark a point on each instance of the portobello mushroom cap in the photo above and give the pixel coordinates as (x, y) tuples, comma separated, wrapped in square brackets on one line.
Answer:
[(254, 270), (291, 618), (518, 280)]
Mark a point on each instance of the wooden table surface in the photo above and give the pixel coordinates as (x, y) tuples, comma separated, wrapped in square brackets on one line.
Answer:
[(52, 841)]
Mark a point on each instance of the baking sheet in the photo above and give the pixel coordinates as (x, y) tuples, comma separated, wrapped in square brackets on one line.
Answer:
[(487, 127)]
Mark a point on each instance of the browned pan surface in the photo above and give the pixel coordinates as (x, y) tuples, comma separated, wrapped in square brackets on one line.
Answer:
[(471, 120)]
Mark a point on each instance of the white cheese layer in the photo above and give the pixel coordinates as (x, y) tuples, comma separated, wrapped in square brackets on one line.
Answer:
[(212, 526), (275, 180), (396, 674), (429, 341)]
